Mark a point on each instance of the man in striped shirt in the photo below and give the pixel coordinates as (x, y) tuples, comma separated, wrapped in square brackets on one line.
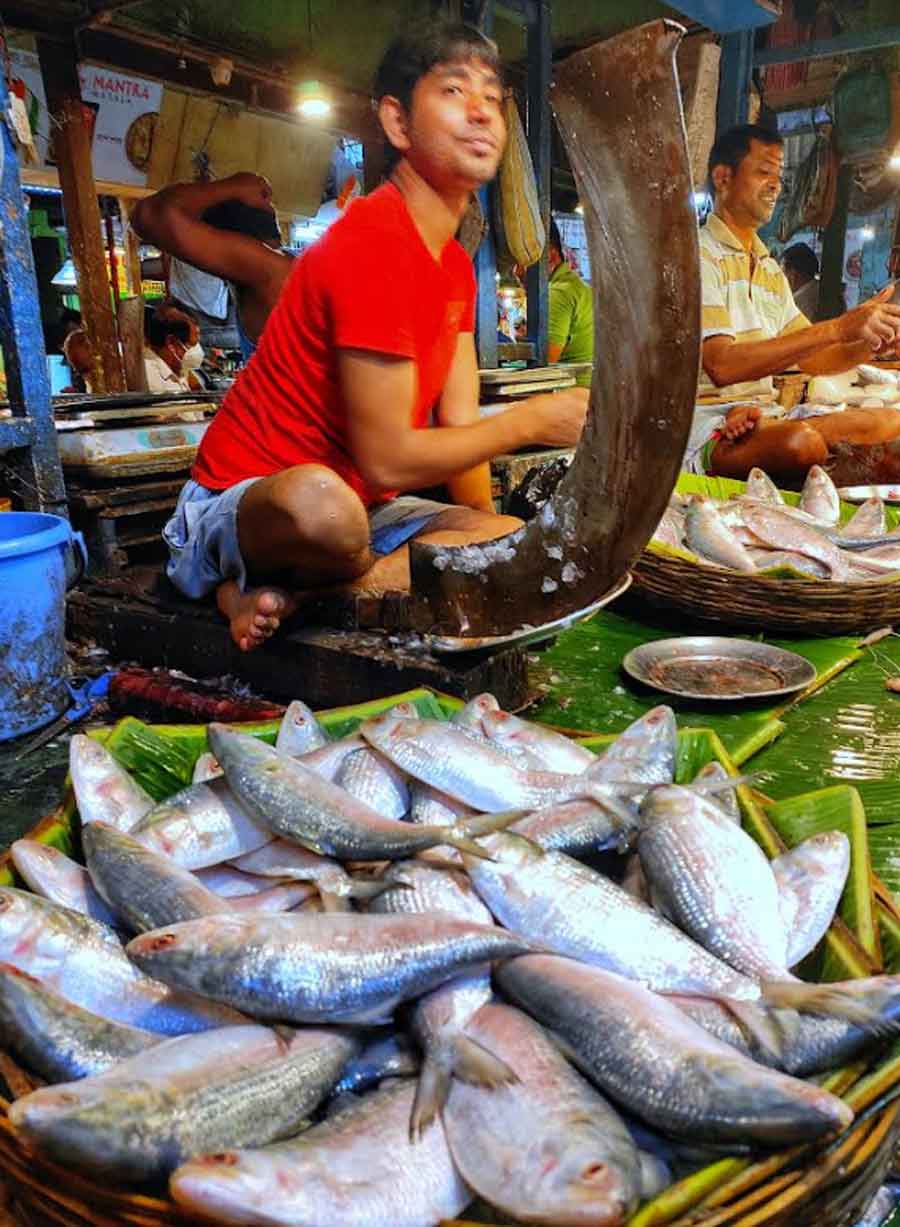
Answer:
[(752, 328)]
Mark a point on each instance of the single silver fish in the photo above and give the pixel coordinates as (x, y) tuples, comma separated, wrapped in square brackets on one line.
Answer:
[(819, 497), (651, 1058), (84, 962), (475, 772), (714, 881), (440, 1018), (553, 751), (470, 716), (300, 805), (206, 768), (867, 521), (429, 807), (564, 906), (547, 1148), (810, 878), (103, 788), (54, 875), (243, 1086), (200, 826), (707, 534), (145, 889), (644, 753), (358, 1168), (375, 781), (299, 731), (760, 486), (56, 1039), (319, 968), (774, 528)]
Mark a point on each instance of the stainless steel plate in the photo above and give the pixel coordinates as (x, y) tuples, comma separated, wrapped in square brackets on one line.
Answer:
[(710, 667), (441, 644), (859, 494)]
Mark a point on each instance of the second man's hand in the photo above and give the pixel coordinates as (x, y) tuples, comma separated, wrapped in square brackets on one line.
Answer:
[(876, 322), (556, 418), (740, 421)]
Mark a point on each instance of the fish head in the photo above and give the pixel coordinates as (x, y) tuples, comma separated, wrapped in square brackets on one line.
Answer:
[(28, 855), (34, 1114), (403, 711), (228, 1185), (582, 1175), (88, 759), (27, 932), (645, 751), (233, 748), (175, 950)]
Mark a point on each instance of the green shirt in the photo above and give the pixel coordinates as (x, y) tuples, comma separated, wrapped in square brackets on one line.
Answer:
[(571, 322)]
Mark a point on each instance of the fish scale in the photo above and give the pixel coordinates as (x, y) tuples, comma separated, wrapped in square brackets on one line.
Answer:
[(319, 968)]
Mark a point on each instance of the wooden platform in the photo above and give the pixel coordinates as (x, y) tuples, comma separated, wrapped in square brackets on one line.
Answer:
[(141, 618)]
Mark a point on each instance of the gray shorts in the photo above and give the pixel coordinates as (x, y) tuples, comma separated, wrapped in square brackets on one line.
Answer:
[(202, 534)]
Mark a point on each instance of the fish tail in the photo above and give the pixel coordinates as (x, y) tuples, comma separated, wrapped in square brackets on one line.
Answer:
[(464, 834), (758, 1025), (477, 1066), (431, 1095), (829, 1000), (362, 889)]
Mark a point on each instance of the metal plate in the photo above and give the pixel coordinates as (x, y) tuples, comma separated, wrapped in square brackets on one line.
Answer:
[(441, 644), (712, 668), (859, 494)]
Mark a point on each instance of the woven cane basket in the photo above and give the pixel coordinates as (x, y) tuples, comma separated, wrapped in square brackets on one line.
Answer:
[(804, 1187), (675, 580), (762, 603)]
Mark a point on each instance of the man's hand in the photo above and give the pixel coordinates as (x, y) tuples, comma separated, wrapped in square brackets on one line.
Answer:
[(557, 418), (250, 189), (876, 322), (741, 421)]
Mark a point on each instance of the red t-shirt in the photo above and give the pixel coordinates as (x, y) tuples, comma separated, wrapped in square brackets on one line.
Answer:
[(369, 283)]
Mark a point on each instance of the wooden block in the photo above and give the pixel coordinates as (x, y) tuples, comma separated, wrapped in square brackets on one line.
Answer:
[(327, 668)]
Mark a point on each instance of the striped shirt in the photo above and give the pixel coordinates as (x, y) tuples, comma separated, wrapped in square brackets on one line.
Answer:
[(745, 295)]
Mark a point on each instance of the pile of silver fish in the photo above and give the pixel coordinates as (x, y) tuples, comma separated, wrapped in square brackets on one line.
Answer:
[(757, 532), (376, 979)]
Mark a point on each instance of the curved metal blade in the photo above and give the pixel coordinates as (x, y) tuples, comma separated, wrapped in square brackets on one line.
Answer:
[(619, 110)]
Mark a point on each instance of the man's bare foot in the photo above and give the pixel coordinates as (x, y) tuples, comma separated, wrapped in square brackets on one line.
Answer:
[(740, 421), (254, 615)]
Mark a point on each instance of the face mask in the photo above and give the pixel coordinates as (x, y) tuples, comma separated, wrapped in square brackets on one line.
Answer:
[(193, 357)]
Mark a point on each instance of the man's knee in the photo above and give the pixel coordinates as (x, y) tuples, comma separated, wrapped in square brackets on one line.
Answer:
[(326, 513), (803, 446)]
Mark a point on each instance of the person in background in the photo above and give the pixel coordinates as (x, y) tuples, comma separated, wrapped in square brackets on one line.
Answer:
[(172, 353), (296, 482), (227, 228), (570, 327), (801, 268), (79, 355), (752, 330)]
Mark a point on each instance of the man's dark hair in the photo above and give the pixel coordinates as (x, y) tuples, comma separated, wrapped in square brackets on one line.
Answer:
[(801, 258), (553, 239), (413, 54), (242, 218), (167, 322), (733, 146)]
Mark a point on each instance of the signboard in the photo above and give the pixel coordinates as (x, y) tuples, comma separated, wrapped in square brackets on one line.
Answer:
[(124, 109)]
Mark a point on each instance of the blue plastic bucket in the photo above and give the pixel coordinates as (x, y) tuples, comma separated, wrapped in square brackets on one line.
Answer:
[(33, 550)]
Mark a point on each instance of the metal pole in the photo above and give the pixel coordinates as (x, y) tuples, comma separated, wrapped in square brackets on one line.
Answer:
[(540, 64), (35, 473)]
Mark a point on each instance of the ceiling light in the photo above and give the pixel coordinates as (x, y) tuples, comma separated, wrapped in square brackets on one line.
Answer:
[(867, 234), (579, 208), (313, 102), (894, 162)]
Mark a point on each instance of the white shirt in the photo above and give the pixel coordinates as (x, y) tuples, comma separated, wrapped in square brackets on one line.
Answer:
[(160, 376)]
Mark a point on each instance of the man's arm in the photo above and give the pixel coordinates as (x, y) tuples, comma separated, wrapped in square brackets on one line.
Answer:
[(845, 340), (459, 407), (171, 221), (379, 391)]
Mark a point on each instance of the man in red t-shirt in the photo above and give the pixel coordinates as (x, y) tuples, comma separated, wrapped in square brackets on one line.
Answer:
[(371, 340)]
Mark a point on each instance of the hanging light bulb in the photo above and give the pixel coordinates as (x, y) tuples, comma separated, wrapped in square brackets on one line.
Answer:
[(313, 102)]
